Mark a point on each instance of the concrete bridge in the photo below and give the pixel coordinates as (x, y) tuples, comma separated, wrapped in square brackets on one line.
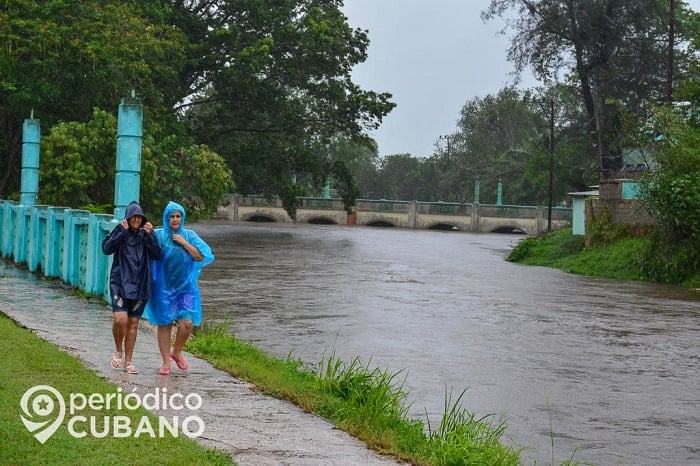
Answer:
[(481, 218)]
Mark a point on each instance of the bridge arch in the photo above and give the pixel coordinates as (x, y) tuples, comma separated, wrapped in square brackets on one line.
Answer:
[(509, 229), (444, 226), (322, 220), (380, 223), (257, 217)]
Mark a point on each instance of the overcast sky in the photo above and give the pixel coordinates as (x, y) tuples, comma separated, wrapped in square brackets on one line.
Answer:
[(432, 56)]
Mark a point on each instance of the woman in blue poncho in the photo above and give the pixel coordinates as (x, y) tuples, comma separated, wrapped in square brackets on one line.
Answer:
[(175, 291)]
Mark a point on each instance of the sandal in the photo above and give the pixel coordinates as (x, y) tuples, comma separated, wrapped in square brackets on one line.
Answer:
[(116, 361), (181, 363), (130, 369), (164, 370)]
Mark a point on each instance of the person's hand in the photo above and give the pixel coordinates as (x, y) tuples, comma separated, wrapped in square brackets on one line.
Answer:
[(125, 224), (148, 228), (179, 239)]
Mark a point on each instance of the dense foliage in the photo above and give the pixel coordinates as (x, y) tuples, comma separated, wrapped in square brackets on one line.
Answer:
[(611, 50), (263, 84)]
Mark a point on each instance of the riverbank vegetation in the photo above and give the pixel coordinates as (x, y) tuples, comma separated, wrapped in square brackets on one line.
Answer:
[(28, 361), (625, 257), (667, 251), (369, 403)]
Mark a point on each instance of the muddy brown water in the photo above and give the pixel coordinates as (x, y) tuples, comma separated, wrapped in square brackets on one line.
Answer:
[(607, 371)]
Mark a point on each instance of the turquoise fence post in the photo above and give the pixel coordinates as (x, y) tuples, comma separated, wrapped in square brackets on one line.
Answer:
[(129, 132), (97, 261), (74, 247), (477, 191), (327, 190), (3, 206), (54, 241), (30, 161), (21, 232), (66, 249), (7, 242), (499, 199), (36, 238)]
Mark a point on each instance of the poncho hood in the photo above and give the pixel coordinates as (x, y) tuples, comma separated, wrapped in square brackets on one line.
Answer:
[(134, 209), (172, 206)]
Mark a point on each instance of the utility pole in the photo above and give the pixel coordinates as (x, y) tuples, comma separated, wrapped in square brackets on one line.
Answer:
[(551, 164), (448, 138), (671, 40)]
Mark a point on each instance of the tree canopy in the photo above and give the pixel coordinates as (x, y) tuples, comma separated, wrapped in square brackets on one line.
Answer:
[(611, 50), (262, 83)]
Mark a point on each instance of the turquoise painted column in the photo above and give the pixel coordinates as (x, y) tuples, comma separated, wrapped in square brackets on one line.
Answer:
[(36, 237), (327, 190), (30, 161), (21, 236), (7, 242), (97, 261), (129, 132), (54, 241), (477, 190), (499, 198)]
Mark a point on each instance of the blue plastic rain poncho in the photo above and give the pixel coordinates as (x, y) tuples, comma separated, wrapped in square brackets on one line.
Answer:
[(175, 292)]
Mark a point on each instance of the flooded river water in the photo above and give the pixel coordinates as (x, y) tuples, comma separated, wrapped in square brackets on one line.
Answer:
[(607, 371)]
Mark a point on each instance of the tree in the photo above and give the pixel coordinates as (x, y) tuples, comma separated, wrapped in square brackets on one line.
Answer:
[(77, 169), (77, 163), (60, 60), (496, 136), (281, 89), (614, 50), (360, 158)]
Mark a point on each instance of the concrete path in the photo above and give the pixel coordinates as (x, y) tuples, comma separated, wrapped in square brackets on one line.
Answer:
[(252, 428)]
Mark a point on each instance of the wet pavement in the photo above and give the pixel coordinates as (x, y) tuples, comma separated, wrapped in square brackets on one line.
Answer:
[(252, 428)]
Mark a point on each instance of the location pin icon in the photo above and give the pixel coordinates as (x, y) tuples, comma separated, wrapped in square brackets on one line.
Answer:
[(42, 404)]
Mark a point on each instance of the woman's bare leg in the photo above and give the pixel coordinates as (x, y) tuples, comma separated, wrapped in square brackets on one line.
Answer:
[(164, 343)]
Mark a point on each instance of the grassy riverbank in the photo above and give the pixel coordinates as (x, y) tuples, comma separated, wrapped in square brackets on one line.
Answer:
[(369, 403), (27, 361), (623, 255)]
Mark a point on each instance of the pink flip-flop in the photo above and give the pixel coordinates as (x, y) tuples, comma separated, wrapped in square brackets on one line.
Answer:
[(164, 371), (116, 361), (181, 363)]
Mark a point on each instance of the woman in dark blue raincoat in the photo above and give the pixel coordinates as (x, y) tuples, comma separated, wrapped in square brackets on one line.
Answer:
[(176, 295), (130, 279)]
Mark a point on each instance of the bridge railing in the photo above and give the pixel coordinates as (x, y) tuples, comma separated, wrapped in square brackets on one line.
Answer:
[(511, 211), (382, 205), (321, 203), (311, 203), (443, 208), (518, 211)]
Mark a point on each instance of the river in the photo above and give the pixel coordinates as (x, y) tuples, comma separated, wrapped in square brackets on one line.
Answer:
[(607, 371)]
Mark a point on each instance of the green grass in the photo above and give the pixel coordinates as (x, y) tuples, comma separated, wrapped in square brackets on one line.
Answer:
[(562, 250), (369, 403), (26, 361)]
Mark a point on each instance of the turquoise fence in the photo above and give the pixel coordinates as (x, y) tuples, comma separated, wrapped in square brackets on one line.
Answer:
[(65, 243), (58, 242)]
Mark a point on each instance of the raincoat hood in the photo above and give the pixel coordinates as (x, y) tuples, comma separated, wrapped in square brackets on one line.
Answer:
[(134, 209), (172, 206)]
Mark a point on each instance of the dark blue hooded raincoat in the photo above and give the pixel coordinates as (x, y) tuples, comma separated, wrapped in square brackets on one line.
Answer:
[(130, 276)]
